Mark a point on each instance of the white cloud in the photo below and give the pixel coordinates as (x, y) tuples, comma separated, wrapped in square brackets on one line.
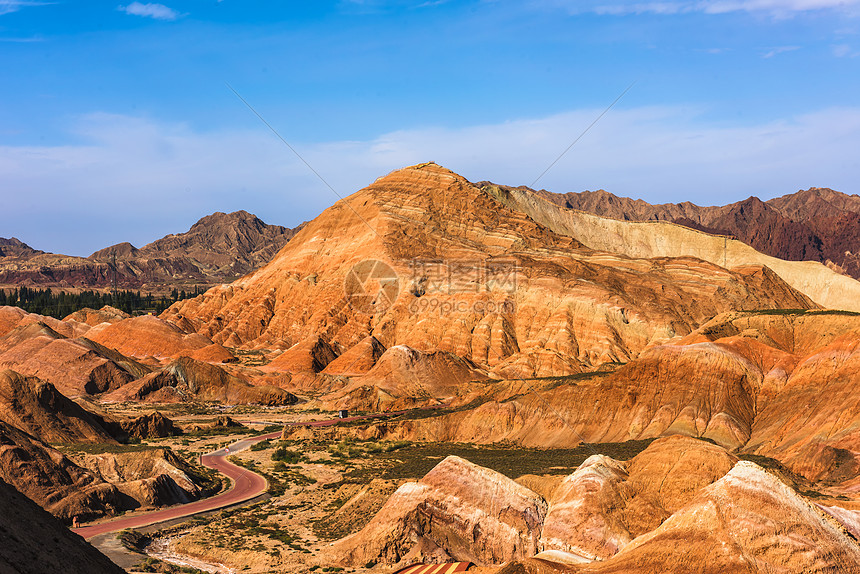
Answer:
[(135, 179), (150, 10)]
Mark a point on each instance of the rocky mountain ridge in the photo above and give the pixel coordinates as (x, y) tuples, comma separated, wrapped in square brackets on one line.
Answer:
[(218, 248), (817, 224), (474, 277)]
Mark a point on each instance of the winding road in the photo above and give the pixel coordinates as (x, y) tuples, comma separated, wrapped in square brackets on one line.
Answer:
[(246, 484)]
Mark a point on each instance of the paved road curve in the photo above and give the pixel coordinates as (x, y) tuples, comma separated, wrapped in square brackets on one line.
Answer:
[(246, 485)]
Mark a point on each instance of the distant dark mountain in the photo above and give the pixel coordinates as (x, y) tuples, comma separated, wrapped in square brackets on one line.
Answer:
[(817, 224), (219, 245), (219, 248), (16, 248)]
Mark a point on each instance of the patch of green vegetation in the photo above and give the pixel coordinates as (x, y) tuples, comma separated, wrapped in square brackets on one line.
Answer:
[(251, 358), (777, 311), (803, 312), (192, 408), (103, 448), (412, 461), (512, 461), (209, 480), (240, 524), (287, 456), (61, 303), (833, 312), (353, 449), (279, 483), (219, 431), (262, 445), (426, 413)]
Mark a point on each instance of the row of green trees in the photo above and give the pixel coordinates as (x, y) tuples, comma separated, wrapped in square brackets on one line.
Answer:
[(59, 304)]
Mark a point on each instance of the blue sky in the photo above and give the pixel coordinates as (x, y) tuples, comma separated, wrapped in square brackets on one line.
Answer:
[(116, 122)]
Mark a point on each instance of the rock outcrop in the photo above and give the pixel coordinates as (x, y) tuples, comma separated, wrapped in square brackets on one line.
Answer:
[(404, 377), (37, 408), (586, 512), (153, 425), (50, 479), (779, 385), (602, 507), (14, 247), (817, 224), (748, 521), (146, 478), (186, 379), (93, 317), (458, 511), (681, 505)]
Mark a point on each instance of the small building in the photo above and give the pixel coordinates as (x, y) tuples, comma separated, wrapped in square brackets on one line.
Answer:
[(342, 413)]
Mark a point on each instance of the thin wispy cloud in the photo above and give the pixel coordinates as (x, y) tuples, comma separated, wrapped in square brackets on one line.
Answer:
[(779, 50), (150, 10), (779, 8), (9, 6), (845, 51), (29, 40)]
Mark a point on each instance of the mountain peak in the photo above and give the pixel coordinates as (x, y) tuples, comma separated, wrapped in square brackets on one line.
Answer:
[(14, 247), (219, 218)]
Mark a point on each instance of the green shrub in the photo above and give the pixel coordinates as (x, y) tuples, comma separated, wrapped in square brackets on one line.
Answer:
[(262, 445), (286, 456)]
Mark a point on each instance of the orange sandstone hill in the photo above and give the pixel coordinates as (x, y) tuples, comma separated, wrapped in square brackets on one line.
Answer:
[(778, 384), (39, 409), (681, 505), (424, 258), (138, 358)]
